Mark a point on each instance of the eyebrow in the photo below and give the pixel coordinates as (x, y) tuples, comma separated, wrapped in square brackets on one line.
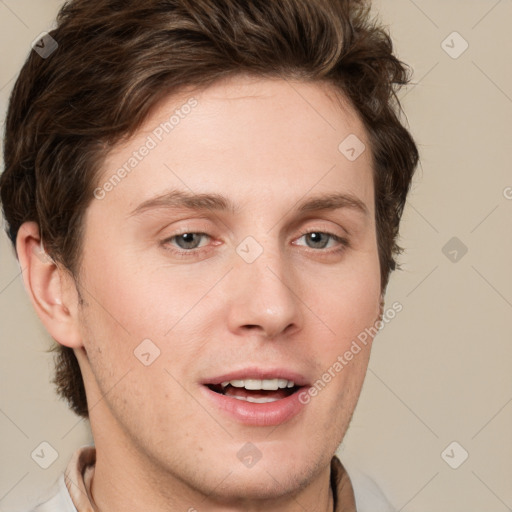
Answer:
[(179, 199)]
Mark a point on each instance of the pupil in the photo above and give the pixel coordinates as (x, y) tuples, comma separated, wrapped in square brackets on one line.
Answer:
[(187, 238), (318, 237)]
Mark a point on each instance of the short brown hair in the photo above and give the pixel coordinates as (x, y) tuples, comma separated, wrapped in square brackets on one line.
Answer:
[(116, 59)]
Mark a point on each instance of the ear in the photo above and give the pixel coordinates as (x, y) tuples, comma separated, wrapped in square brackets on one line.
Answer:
[(50, 287)]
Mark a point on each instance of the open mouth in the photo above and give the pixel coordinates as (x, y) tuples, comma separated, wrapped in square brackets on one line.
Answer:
[(255, 390)]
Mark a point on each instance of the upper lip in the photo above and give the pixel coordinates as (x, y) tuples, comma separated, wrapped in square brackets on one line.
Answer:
[(254, 372)]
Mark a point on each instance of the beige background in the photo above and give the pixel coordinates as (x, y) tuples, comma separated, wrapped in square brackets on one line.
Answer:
[(441, 370)]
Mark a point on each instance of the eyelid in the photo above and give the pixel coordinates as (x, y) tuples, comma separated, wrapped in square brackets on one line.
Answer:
[(323, 231)]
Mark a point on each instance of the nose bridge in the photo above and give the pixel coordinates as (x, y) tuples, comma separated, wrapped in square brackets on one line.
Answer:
[(266, 289)]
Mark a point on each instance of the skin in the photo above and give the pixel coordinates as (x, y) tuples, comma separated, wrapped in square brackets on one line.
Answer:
[(265, 144)]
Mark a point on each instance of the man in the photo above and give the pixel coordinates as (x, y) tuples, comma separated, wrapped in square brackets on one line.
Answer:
[(205, 197)]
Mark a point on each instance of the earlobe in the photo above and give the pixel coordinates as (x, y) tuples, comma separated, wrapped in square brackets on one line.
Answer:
[(378, 319), (50, 287)]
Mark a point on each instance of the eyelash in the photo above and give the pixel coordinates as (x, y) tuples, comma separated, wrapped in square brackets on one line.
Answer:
[(182, 253)]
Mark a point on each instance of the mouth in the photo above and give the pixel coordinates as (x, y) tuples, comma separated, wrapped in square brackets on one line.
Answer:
[(256, 391), (257, 397)]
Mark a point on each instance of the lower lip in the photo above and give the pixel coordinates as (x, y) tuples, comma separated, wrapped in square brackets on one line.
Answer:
[(263, 415)]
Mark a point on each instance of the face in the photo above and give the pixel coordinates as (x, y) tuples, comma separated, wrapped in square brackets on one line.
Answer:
[(261, 282)]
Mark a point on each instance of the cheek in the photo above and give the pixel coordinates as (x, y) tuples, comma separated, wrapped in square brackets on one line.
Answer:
[(350, 304), (133, 300), (133, 311)]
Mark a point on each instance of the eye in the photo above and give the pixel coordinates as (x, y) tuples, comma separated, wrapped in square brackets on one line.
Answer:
[(186, 242), (320, 240)]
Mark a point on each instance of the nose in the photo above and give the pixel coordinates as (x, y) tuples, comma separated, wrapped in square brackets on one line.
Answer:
[(265, 298)]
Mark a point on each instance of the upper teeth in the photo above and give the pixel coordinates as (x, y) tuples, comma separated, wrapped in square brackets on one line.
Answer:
[(267, 384)]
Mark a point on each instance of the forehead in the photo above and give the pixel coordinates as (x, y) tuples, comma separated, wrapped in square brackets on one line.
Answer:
[(242, 135)]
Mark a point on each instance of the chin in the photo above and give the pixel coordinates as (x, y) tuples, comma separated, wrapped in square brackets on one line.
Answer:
[(259, 484)]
